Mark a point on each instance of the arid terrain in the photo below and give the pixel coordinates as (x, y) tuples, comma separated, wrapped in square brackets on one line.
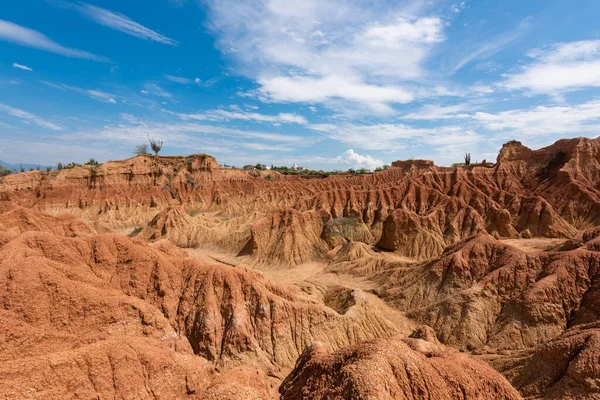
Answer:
[(170, 277)]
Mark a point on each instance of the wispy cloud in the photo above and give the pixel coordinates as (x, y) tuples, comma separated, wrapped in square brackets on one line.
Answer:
[(493, 46), (155, 90), (23, 67), (564, 120), (237, 114), (122, 23), (432, 112), (28, 37), (182, 80), (28, 117), (583, 118), (560, 67), (207, 138), (384, 137), (95, 94)]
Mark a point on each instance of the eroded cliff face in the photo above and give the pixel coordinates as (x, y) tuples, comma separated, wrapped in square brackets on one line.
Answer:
[(414, 207), (485, 295), (118, 309), (393, 369), (500, 261)]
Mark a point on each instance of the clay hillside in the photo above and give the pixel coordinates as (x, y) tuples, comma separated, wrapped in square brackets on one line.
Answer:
[(169, 277)]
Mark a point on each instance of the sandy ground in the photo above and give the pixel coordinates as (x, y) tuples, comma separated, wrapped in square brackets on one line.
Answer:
[(313, 280), (535, 245)]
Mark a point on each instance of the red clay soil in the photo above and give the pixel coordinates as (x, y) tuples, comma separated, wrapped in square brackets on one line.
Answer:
[(394, 370), (483, 294), (114, 316), (90, 314), (414, 208), (563, 368)]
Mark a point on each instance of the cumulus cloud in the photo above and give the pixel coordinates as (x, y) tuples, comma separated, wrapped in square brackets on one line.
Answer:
[(121, 23), (402, 30), (23, 67), (320, 90), (327, 51), (28, 37), (359, 161), (560, 67)]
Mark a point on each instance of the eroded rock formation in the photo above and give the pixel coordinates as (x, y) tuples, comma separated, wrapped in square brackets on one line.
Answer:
[(498, 261)]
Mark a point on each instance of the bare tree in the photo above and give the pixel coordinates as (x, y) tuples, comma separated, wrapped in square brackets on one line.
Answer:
[(467, 158), (155, 145), (141, 149)]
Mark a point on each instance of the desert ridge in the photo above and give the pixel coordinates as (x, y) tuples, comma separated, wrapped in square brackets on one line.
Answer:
[(170, 277)]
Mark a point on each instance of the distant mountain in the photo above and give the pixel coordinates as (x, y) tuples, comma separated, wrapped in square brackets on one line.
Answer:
[(26, 167)]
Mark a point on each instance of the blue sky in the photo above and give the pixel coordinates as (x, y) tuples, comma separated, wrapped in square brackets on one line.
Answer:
[(327, 84)]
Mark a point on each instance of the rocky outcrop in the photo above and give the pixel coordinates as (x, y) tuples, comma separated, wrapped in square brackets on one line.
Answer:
[(564, 368), (422, 237), (18, 220), (483, 294), (137, 368), (66, 301), (414, 207), (287, 237), (392, 369), (409, 164)]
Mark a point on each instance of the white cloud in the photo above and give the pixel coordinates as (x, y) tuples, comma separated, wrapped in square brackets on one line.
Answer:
[(492, 47), (327, 51), (563, 66), (436, 112), (358, 161), (397, 33), (28, 117), (49, 151), (95, 94), (198, 81), (216, 139), (178, 79), (565, 120), (101, 96), (568, 120), (154, 89), (393, 137), (28, 37), (320, 90), (224, 115), (23, 67), (122, 23)]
